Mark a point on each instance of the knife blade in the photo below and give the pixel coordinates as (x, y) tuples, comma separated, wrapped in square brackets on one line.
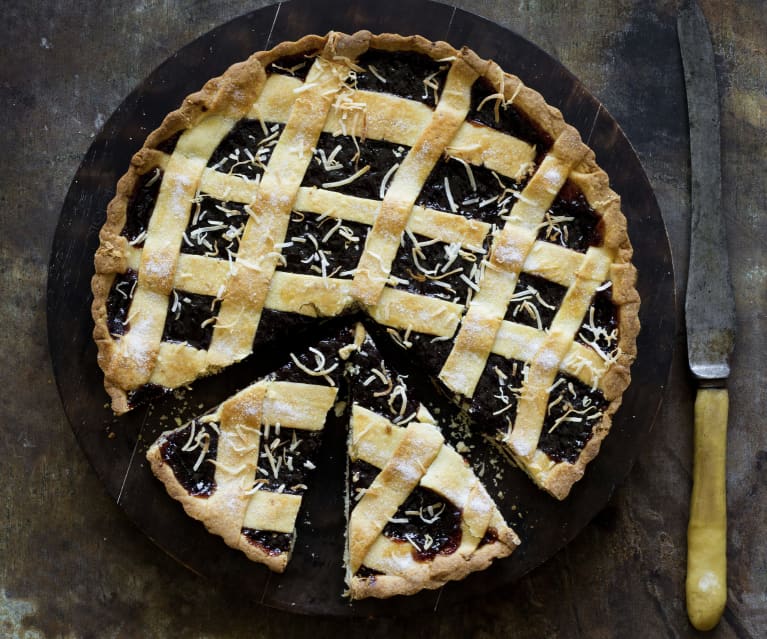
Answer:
[(710, 324)]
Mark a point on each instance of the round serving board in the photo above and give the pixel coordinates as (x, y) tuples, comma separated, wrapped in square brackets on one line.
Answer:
[(313, 582)]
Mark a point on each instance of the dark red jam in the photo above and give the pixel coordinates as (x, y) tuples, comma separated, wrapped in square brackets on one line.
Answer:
[(247, 148), (119, 300), (494, 404), (427, 521), (322, 246), (580, 232), (429, 351), (535, 298), (182, 450), (322, 356), (283, 457), (574, 409), (475, 192), (296, 66), (215, 228), (340, 157), (510, 119), (273, 543), (362, 476), (274, 326), (140, 206), (387, 398), (445, 270), (603, 330), (367, 573), (145, 394), (490, 537), (402, 73), (190, 318)]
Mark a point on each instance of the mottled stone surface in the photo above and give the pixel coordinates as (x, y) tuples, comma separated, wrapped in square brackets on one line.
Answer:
[(71, 565)]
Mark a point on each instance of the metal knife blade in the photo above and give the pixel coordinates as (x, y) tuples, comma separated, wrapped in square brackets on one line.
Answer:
[(709, 305), (710, 322)]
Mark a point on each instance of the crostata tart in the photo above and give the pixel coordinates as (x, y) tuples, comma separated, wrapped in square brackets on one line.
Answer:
[(387, 178)]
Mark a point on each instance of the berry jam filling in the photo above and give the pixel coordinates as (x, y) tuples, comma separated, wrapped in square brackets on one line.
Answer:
[(296, 66), (286, 457), (475, 192), (273, 326), (215, 228), (246, 150), (378, 388), (353, 167), (140, 207), (429, 267), (187, 451), (494, 405), (600, 326), (573, 410), (426, 520), (190, 319), (431, 352), (145, 394), (507, 118), (490, 537), (119, 300), (410, 75), (322, 246), (571, 222), (429, 522), (319, 363), (273, 543), (535, 301)]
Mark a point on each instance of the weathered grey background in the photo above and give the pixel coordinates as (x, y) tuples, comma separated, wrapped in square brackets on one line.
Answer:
[(71, 565)]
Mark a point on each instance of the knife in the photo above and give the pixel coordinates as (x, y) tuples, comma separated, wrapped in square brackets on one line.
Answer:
[(710, 323)]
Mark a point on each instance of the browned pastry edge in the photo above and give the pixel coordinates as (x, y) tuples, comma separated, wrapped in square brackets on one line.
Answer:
[(195, 507), (594, 183), (442, 569)]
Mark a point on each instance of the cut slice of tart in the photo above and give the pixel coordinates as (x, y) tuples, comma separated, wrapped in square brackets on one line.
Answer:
[(417, 514), (243, 468), (419, 517)]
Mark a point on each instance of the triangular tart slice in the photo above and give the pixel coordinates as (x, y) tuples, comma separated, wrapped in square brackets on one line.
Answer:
[(243, 468), (418, 516)]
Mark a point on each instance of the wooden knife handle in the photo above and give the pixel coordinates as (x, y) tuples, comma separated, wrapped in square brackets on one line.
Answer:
[(707, 530)]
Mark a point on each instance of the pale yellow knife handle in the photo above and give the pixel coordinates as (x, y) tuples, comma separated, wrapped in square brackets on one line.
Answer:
[(707, 530)]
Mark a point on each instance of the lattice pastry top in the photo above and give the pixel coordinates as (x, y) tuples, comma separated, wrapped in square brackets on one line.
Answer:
[(392, 176)]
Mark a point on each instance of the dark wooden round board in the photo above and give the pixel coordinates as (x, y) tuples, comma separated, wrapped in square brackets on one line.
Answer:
[(115, 447)]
